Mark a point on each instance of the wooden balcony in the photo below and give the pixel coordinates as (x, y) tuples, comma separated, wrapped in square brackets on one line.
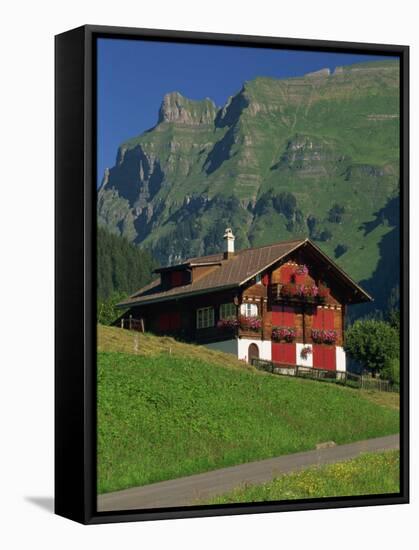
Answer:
[(276, 296)]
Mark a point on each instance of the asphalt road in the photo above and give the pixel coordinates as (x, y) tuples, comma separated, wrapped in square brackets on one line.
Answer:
[(186, 491)]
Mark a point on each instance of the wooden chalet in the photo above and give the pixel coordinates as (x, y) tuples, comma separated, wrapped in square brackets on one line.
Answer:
[(283, 302)]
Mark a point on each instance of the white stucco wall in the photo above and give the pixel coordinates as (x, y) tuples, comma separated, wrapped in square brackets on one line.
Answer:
[(265, 348), (340, 359), (308, 362)]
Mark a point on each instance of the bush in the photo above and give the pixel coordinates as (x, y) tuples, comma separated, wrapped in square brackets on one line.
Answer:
[(340, 250), (107, 312), (336, 213), (325, 235), (285, 203), (312, 225), (391, 370), (373, 343)]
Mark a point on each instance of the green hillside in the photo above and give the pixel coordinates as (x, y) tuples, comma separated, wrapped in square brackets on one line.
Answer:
[(326, 142), (167, 409)]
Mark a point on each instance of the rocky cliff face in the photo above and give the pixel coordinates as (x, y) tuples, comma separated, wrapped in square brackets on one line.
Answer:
[(180, 110), (325, 139)]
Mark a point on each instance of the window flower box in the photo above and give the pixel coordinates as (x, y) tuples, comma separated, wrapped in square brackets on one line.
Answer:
[(324, 336), (250, 323), (229, 323), (309, 292), (288, 334), (289, 290)]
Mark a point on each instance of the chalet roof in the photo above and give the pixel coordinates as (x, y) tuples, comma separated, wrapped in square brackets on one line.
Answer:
[(231, 273)]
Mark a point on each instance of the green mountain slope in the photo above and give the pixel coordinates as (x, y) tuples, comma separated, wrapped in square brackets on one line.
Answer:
[(313, 156)]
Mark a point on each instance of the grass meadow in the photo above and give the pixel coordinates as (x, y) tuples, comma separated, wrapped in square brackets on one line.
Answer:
[(167, 410), (369, 474)]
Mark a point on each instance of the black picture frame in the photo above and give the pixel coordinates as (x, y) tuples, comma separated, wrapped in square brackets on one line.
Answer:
[(75, 269)]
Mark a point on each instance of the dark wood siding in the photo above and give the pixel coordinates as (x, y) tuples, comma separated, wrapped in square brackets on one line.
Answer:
[(178, 317)]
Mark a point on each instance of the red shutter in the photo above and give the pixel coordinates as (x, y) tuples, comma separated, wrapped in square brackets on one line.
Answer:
[(328, 319), (324, 318), (289, 353), (329, 357), (318, 356), (276, 352), (318, 318), (324, 357), (288, 316), (277, 316), (283, 353), (283, 316)]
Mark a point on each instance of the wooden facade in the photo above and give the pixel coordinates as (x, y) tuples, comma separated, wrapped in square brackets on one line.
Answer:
[(291, 312)]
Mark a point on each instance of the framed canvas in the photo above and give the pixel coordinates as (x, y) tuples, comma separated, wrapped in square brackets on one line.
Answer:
[(231, 274)]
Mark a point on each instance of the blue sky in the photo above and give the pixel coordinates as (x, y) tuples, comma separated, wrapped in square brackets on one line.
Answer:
[(133, 77)]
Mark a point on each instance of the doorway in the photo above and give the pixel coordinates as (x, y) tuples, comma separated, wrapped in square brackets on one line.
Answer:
[(253, 352)]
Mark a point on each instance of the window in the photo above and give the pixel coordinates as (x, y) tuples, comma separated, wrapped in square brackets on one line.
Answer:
[(249, 310), (205, 317), (227, 310), (177, 278)]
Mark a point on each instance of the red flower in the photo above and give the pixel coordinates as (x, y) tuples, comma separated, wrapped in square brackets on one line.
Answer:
[(305, 352), (289, 290), (251, 323), (284, 333), (324, 336), (324, 291), (229, 323)]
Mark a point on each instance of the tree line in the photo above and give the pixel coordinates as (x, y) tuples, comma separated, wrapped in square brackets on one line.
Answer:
[(122, 268)]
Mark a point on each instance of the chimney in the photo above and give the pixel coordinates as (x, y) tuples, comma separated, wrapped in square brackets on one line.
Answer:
[(228, 244)]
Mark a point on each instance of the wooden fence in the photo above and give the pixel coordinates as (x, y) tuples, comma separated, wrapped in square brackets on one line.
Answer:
[(133, 324), (345, 378)]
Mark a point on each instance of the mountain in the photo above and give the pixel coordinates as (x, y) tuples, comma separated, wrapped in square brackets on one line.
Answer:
[(311, 156)]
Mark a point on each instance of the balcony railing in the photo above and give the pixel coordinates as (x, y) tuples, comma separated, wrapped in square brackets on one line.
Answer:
[(299, 293)]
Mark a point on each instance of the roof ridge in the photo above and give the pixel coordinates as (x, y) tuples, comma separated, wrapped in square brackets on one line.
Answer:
[(238, 252), (278, 243), (234, 274)]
